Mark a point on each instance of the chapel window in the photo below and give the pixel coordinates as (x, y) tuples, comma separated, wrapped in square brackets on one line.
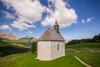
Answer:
[(58, 47)]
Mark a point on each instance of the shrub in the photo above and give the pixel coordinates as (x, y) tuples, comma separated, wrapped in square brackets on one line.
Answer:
[(33, 48)]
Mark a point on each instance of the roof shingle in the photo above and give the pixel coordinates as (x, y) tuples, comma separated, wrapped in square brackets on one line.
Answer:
[(50, 34)]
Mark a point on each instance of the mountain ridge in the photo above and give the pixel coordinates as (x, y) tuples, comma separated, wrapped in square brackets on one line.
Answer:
[(12, 36), (9, 36)]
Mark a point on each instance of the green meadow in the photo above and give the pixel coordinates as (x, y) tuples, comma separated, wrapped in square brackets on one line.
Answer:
[(84, 46), (29, 60)]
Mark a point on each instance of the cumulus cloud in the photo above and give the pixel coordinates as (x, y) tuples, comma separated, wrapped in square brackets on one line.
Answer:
[(5, 27), (21, 25), (8, 15), (65, 16), (83, 21), (29, 11), (30, 32), (89, 19)]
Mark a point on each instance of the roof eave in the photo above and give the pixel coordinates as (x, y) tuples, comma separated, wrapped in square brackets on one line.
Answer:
[(51, 40)]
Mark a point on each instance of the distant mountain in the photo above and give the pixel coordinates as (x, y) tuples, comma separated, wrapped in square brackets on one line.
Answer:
[(28, 37), (12, 44), (26, 41), (9, 36)]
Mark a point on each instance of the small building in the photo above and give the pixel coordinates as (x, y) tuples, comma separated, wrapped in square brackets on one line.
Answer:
[(51, 44)]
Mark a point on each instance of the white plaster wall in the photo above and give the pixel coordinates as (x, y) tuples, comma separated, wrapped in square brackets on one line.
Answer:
[(44, 50), (57, 53), (47, 50)]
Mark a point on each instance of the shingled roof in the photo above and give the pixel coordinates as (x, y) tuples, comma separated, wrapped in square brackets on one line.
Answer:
[(50, 35)]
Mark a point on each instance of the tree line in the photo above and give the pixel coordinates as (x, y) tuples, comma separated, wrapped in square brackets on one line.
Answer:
[(95, 39)]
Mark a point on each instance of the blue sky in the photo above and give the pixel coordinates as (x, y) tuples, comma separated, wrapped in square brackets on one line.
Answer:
[(77, 18)]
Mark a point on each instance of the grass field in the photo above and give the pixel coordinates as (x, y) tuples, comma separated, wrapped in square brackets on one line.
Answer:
[(67, 61), (92, 59), (84, 46), (29, 59)]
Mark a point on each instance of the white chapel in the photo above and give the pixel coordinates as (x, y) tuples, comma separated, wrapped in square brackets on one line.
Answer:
[(51, 44)]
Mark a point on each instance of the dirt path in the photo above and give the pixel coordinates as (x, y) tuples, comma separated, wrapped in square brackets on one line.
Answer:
[(83, 51), (14, 58)]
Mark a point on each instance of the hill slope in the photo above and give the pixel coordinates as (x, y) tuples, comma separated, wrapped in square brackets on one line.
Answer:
[(95, 39), (27, 41), (84, 46), (7, 47)]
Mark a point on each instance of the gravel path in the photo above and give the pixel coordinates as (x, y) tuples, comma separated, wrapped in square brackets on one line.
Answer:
[(82, 62)]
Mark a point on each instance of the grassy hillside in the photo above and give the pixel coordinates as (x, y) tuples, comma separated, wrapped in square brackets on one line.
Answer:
[(24, 41), (89, 58), (6, 42), (69, 60), (95, 39), (7, 47), (84, 46)]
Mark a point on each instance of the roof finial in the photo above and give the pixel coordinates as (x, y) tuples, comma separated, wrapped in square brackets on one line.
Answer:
[(56, 23)]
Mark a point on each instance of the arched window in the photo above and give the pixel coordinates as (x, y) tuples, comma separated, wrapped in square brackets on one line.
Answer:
[(58, 47)]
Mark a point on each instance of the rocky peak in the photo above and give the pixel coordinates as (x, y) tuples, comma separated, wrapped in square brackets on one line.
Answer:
[(9, 36)]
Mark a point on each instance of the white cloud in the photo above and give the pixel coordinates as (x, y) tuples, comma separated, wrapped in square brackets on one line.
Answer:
[(21, 25), (83, 21), (64, 15), (30, 32), (8, 15), (89, 19), (5, 27), (28, 11)]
